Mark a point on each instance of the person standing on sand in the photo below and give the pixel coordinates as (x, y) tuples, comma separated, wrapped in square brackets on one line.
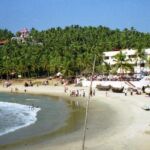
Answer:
[(16, 89), (125, 92), (83, 93), (65, 89), (77, 93), (106, 93), (94, 92), (131, 92), (91, 93)]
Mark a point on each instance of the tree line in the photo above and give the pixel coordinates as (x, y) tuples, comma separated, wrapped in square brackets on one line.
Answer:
[(69, 50)]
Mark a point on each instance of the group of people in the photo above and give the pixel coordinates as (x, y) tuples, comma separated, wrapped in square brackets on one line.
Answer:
[(131, 91), (26, 84), (45, 82), (74, 93), (7, 84), (31, 107), (77, 92)]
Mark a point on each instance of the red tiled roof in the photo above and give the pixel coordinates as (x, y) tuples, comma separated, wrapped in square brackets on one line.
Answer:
[(24, 30), (3, 42)]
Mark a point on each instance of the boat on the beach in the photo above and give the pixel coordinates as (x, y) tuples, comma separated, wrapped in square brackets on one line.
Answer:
[(146, 107), (147, 90), (117, 89), (103, 87), (144, 82)]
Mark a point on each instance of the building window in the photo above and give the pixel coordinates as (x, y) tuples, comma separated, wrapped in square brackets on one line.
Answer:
[(132, 56), (106, 57)]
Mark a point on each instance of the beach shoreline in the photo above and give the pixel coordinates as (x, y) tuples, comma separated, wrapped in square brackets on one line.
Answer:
[(130, 131)]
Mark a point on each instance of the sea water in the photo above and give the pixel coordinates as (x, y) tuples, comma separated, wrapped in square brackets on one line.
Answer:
[(24, 116), (50, 118), (14, 116)]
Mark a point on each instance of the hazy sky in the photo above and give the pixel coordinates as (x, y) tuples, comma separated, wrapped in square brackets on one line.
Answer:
[(44, 14)]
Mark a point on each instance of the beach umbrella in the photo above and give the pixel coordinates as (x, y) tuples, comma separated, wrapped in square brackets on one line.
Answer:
[(59, 74)]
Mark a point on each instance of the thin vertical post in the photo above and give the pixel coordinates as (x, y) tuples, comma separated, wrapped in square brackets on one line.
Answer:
[(87, 106)]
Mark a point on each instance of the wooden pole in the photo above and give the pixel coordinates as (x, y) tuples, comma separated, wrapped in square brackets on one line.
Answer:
[(87, 106)]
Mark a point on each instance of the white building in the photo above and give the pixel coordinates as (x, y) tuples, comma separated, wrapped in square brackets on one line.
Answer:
[(147, 52), (131, 56), (24, 33)]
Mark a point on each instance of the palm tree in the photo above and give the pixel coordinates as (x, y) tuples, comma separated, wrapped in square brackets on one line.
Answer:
[(122, 63), (140, 57), (7, 65), (148, 63)]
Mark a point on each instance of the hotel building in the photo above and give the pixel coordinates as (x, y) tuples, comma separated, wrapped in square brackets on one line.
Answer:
[(131, 56)]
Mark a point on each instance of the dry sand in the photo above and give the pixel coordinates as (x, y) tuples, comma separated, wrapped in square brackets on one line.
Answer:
[(131, 130)]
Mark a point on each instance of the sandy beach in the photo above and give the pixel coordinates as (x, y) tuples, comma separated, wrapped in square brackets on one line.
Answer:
[(130, 129)]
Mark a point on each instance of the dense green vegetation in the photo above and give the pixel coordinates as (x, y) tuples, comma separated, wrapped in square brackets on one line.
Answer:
[(5, 34), (70, 50)]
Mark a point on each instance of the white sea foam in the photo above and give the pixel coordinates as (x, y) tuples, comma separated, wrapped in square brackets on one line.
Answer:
[(31, 99), (15, 116)]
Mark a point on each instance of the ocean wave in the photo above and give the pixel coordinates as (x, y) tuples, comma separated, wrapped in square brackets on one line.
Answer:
[(31, 99), (16, 116)]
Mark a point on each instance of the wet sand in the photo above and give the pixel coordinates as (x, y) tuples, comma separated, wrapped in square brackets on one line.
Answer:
[(128, 127)]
